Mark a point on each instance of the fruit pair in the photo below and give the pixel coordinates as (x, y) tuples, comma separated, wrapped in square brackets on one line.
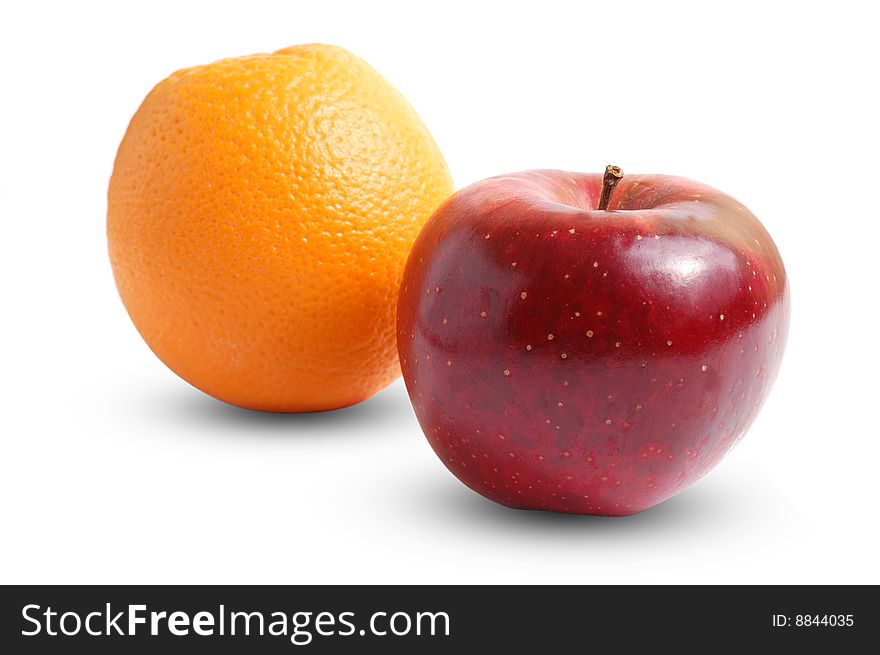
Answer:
[(570, 342)]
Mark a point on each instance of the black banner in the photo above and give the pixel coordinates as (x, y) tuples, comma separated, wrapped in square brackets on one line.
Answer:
[(418, 619)]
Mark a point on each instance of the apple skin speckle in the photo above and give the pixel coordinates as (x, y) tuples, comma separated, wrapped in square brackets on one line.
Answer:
[(618, 419)]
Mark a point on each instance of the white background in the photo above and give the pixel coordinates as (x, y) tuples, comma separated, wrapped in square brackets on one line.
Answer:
[(114, 470)]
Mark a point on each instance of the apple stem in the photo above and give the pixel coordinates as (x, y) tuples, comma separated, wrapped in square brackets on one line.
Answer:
[(613, 174)]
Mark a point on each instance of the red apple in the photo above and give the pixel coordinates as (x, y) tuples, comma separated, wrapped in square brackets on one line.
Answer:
[(593, 361)]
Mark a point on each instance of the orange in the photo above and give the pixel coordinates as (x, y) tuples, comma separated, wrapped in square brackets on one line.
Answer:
[(260, 213)]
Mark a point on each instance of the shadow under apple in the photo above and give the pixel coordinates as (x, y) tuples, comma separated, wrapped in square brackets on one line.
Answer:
[(738, 498)]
